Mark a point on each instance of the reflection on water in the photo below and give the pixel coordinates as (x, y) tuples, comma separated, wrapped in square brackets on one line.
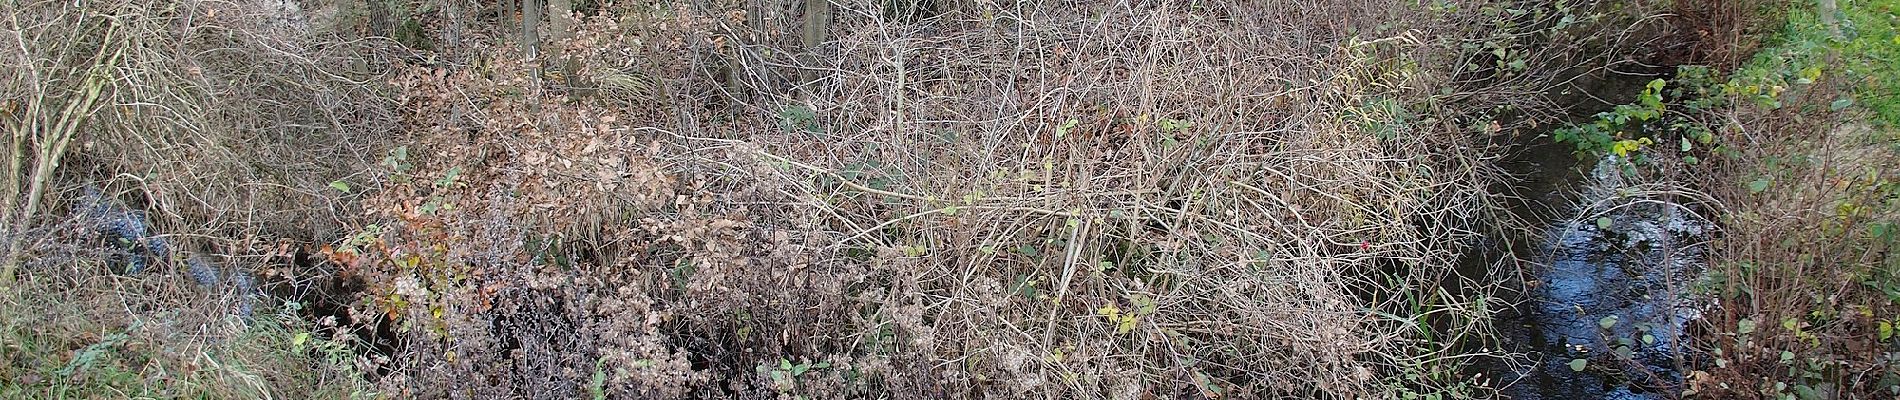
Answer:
[(1608, 305)]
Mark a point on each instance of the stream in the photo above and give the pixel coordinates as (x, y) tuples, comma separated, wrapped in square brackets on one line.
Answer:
[(1606, 303)]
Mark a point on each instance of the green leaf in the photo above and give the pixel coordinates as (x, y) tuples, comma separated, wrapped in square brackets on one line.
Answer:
[(340, 186), (449, 178), (1604, 223), (1841, 104), (598, 384), (1886, 330), (1144, 305), (1685, 144), (1757, 186), (1649, 339), (1787, 356), (1579, 364), (798, 118), (1745, 326), (914, 251), (1607, 322), (1028, 250), (1127, 324), (1063, 130), (784, 364), (1172, 125)]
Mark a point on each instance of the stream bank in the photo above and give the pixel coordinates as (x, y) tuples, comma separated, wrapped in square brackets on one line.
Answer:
[(1601, 299)]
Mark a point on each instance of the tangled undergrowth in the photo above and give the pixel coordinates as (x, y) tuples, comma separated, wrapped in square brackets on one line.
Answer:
[(927, 220), (1807, 152), (839, 199)]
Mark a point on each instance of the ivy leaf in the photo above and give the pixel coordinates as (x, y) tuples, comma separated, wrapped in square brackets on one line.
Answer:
[(1808, 75), (449, 178), (1886, 330), (1841, 104), (1172, 125), (1579, 364), (1607, 322), (1757, 186), (914, 251), (1063, 130), (1604, 223), (1028, 250), (1145, 306), (340, 186)]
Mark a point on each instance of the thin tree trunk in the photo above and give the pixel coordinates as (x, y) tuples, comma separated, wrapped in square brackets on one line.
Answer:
[(16, 164), (530, 27), (1829, 8), (50, 144), (379, 18), (557, 18), (817, 25)]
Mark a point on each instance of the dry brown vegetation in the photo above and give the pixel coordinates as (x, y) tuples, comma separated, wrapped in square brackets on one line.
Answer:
[(715, 199), (924, 218)]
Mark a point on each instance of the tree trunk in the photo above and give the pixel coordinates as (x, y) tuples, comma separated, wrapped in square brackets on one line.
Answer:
[(817, 25), (557, 18), (530, 27)]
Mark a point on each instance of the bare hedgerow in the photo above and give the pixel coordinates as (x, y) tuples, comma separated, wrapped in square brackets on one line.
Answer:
[(1146, 157), (230, 118), (1052, 199)]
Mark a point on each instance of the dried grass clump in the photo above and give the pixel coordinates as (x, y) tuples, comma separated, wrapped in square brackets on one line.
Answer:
[(76, 328), (225, 121), (1156, 197), (227, 118), (1808, 213)]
